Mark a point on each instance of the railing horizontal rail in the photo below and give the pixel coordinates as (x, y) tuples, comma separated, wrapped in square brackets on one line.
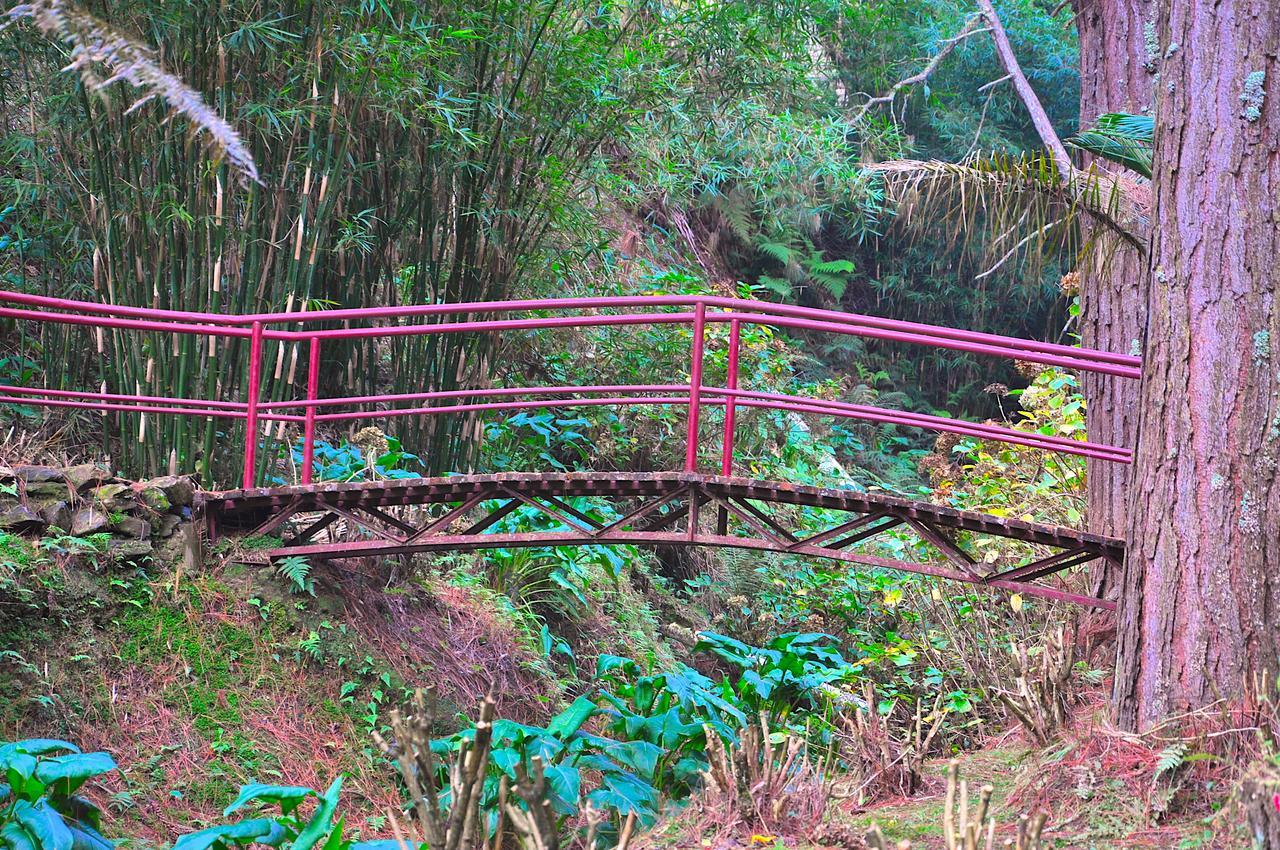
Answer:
[(104, 396), (618, 395), (482, 393), (914, 332), (887, 416), (173, 327), (1077, 358), (691, 395), (496, 325), (919, 420), (135, 408), (611, 401)]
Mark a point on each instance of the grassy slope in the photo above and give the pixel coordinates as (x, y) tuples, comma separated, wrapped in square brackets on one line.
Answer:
[(1097, 813), (200, 682)]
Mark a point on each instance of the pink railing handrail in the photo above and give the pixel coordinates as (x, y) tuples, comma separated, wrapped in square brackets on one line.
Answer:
[(896, 329), (694, 395)]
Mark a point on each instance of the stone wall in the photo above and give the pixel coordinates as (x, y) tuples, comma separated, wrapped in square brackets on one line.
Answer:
[(88, 499)]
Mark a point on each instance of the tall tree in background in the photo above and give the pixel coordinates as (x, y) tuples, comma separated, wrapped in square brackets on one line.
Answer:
[(1201, 594), (1116, 70)]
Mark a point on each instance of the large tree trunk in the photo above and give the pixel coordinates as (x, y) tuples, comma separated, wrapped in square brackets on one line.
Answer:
[(1200, 606), (1115, 76)]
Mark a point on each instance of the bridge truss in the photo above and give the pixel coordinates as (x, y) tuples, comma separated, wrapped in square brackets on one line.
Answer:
[(463, 513)]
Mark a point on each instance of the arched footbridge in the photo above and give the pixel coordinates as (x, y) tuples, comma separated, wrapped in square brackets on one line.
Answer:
[(689, 506)]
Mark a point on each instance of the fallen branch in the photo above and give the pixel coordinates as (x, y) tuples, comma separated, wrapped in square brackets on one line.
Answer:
[(1039, 118), (970, 28)]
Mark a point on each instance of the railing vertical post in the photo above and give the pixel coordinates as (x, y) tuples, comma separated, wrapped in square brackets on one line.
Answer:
[(730, 406), (695, 388), (251, 418), (309, 425)]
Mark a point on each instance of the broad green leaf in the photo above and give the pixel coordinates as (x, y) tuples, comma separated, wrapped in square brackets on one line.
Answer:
[(40, 746), (289, 797), (606, 663), (253, 831), (334, 841), (569, 721), (72, 771), (44, 824), (640, 756), (627, 793), (566, 787), (322, 821), (505, 760), (85, 837), (15, 837), (18, 765)]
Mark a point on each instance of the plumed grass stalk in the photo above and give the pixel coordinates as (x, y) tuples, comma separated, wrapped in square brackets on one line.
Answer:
[(95, 45)]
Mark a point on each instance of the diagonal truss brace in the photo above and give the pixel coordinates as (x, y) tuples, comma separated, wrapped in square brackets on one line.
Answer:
[(655, 510)]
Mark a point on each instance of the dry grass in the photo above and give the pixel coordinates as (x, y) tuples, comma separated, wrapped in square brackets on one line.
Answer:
[(465, 647)]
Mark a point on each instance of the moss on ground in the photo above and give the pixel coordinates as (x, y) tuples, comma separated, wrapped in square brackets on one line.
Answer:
[(920, 819)]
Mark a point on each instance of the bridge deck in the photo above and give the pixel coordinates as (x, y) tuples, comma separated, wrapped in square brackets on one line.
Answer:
[(660, 508)]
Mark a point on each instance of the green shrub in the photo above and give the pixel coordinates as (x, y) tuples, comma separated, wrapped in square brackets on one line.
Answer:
[(40, 808), (289, 827)]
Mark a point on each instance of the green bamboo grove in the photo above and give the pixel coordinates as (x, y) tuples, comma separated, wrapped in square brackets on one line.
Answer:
[(403, 160)]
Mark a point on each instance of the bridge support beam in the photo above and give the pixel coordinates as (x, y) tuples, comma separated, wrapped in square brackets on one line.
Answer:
[(374, 519)]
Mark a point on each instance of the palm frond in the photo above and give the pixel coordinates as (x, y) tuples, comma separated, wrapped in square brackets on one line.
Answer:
[(1122, 138), (1026, 210)]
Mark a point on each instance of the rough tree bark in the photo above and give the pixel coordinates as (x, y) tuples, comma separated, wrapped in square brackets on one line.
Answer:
[(1201, 595), (1116, 72)]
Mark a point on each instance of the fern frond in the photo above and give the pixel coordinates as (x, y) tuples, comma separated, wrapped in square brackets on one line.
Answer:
[(830, 267), (297, 570), (779, 286), (834, 285), (735, 209), (1170, 759), (95, 44), (777, 250)]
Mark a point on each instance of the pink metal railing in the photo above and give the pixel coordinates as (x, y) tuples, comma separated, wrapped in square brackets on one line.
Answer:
[(694, 395)]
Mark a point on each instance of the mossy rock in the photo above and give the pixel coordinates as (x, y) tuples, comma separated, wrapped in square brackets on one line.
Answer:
[(21, 518), (132, 526), (155, 498), (38, 474), (48, 490), (166, 525), (129, 551), (85, 475), (55, 512), (178, 490), (88, 521), (115, 496)]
